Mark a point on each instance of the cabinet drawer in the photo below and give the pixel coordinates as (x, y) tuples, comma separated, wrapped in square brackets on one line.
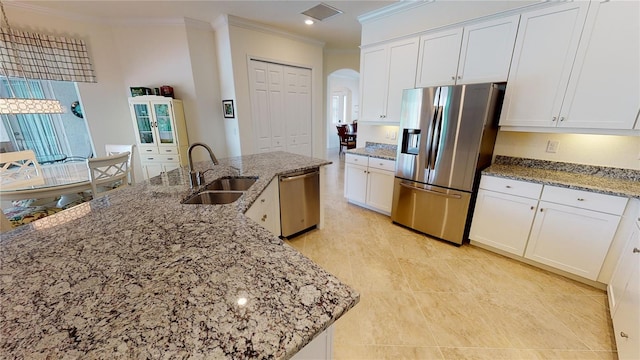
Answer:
[(510, 186), (148, 150), (145, 158), (382, 164), (168, 150), (356, 159), (585, 199)]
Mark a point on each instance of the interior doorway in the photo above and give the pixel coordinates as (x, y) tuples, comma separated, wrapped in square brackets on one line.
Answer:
[(343, 102)]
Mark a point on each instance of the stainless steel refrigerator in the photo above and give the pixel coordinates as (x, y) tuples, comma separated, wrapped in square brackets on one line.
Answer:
[(447, 135)]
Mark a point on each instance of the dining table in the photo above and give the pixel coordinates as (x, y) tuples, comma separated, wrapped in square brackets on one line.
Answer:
[(59, 179)]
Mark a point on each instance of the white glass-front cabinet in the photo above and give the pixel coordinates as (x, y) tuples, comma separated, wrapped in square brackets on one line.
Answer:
[(161, 133)]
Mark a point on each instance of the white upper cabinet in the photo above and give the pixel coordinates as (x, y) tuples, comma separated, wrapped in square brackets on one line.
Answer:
[(575, 65), (545, 49), (386, 70), (474, 54), (604, 88), (438, 59)]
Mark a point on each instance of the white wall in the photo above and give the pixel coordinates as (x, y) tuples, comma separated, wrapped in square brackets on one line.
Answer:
[(599, 150), (246, 42)]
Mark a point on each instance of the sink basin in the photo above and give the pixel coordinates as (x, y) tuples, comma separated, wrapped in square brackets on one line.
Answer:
[(214, 197), (233, 183)]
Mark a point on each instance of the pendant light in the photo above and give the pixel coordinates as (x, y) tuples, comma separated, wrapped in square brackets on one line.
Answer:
[(13, 105)]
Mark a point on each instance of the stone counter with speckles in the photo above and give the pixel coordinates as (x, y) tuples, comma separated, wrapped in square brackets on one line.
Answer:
[(605, 180), (376, 150), (137, 274)]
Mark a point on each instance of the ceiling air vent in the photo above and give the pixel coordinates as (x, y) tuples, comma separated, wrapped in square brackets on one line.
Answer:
[(321, 12)]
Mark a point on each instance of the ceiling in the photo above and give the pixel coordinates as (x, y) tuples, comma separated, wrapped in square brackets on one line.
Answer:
[(338, 32)]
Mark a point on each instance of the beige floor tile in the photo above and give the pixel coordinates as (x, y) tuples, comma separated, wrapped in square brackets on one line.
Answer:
[(528, 324), (423, 298), (458, 320), (541, 354), (479, 354), (392, 318)]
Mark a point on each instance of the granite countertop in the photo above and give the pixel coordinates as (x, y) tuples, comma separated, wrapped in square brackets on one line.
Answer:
[(604, 180), (137, 274), (376, 150)]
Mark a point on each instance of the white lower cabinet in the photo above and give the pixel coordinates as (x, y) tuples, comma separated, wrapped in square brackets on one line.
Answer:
[(566, 229), (369, 182), (266, 209), (624, 296), (503, 221), (320, 348), (571, 239)]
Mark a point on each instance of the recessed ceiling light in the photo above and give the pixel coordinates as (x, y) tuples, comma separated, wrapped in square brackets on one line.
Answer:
[(308, 22), (321, 12)]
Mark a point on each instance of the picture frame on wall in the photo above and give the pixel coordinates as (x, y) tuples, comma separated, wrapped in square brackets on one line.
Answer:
[(227, 109)]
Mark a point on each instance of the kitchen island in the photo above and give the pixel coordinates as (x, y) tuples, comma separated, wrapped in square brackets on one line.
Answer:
[(137, 274)]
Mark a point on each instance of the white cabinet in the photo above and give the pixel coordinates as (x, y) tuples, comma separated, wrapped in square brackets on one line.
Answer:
[(369, 182), (266, 209), (504, 213), (573, 230), (476, 53), (386, 71), (564, 61), (161, 133), (545, 48), (320, 348), (565, 229)]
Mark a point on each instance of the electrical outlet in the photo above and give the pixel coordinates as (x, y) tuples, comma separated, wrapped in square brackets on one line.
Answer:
[(393, 135), (552, 146)]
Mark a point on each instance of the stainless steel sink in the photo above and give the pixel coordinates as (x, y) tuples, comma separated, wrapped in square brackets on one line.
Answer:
[(214, 197), (232, 183)]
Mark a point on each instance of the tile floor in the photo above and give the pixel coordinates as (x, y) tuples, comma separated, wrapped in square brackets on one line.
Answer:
[(425, 299)]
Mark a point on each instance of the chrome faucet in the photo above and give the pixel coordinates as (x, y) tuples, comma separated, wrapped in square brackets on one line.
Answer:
[(196, 178)]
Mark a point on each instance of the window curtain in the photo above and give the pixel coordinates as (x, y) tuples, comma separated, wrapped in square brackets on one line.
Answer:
[(38, 131), (44, 57)]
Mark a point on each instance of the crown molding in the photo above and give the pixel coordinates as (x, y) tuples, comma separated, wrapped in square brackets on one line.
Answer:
[(198, 24), (56, 13), (250, 25), (392, 9)]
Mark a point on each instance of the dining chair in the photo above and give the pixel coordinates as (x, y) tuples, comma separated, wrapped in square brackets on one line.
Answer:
[(108, 172), (347, 141), (113, 149), (19, 169)]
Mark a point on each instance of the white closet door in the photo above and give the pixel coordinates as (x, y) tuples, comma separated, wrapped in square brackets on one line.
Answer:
[(298, 110), (281, 107)]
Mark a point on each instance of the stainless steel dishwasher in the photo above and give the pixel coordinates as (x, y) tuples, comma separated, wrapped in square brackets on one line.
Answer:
[(299, 201)]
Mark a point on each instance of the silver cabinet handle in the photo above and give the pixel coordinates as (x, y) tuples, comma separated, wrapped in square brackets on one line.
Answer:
[(532, 207), (453, 78), (263, 200), (541, 209), (624, 335), (580, 199), (508, 186), (459, 77), (636, 250), (562, 118), (553, 118)]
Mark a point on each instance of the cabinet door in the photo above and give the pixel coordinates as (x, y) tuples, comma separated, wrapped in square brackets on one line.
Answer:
[(502, 221), (403, 60), (438, 59), (373, 83), (629, 259), (164, 123), (571, 239), (626, 322), (152, 169), (356, 182), (604, 90), (380, 189), (486, 51), (143, 123), (545, 49), (266, 209)]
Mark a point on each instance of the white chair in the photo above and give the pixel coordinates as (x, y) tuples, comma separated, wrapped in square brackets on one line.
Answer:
[(108, 172), (113, 149), (19, 169)]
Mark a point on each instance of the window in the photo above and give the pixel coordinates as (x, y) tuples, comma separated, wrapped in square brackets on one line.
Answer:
[(46, 134)]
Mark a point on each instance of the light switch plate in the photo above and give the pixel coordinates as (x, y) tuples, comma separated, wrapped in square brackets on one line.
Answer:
[(552, 146)]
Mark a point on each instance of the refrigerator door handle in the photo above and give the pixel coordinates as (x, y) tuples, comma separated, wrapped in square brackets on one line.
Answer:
[(453, 196), (435, 142)]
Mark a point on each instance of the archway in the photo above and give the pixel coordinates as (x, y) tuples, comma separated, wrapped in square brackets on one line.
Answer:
[(343, 102)]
